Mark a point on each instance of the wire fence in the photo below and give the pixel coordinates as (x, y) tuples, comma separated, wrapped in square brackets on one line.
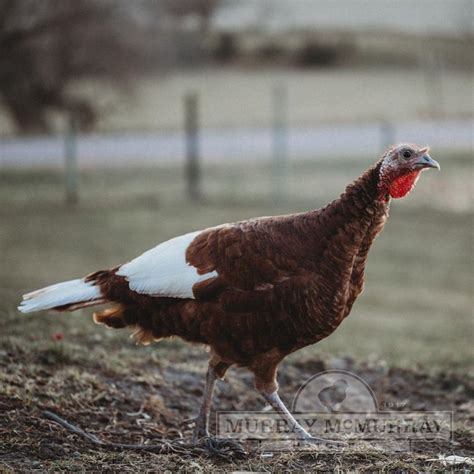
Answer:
[(278, 144)]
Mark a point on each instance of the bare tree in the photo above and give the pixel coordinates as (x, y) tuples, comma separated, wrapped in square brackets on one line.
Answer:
[(47, 44)]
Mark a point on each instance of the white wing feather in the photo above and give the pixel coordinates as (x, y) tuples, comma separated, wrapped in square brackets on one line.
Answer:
[(163, 271)]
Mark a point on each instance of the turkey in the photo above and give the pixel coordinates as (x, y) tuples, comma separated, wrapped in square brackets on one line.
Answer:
[(253, 291)]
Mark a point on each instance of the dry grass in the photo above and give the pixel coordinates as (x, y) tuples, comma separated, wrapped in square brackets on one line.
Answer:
[(414, 320), (132, 395)]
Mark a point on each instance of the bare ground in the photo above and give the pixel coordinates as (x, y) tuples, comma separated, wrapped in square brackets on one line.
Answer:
[(135, 395)]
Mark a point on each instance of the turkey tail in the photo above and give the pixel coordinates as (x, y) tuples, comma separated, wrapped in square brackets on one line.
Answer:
[(66, 296)]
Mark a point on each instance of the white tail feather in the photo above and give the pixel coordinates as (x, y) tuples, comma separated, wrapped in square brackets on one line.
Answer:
[(66, 293)]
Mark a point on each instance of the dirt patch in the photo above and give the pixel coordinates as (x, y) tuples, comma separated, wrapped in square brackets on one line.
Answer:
[(148, 398)]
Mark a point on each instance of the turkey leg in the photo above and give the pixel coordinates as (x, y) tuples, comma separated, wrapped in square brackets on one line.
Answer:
[(215, 370), (266, 383), (201, 429), (275, 401)]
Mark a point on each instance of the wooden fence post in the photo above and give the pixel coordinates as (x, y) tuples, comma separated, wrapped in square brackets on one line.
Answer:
[(387, 134), (192, 145), (70, 161), (280, 142)]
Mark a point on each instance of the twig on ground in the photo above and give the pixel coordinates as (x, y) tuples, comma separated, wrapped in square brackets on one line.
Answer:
[(224, 449)]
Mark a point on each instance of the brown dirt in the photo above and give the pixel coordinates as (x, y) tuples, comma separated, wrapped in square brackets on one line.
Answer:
[(133, 395)]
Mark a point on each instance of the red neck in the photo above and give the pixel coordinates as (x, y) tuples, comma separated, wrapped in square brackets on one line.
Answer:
[(401, 186)]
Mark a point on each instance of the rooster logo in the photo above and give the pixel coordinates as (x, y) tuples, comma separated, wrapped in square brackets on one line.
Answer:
[(333, 395)]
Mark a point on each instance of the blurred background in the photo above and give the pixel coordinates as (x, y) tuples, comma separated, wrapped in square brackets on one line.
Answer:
[(126, 123)]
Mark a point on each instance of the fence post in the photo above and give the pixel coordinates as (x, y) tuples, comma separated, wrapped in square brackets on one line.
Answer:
[(280, 142), (432, 72), (192, 145), (387, 134), (70, 161)]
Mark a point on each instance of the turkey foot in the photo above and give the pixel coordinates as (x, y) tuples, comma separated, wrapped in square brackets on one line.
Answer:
[(223, 448)]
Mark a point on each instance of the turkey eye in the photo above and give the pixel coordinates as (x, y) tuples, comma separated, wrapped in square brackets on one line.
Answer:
[(406, 154)]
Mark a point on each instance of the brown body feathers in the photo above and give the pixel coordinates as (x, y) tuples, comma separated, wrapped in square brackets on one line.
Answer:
[(282, 282)]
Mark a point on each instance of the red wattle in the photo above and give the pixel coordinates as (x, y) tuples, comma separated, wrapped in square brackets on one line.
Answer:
[(404, 184)]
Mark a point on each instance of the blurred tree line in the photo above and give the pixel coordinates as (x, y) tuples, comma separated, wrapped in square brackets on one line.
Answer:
[(45, 45)]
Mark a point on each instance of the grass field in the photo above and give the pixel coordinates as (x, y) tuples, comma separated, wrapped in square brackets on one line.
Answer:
[(236, 97), (413, 324)]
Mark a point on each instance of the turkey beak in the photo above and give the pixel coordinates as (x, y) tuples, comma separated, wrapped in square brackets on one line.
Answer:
[(425, 161)]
